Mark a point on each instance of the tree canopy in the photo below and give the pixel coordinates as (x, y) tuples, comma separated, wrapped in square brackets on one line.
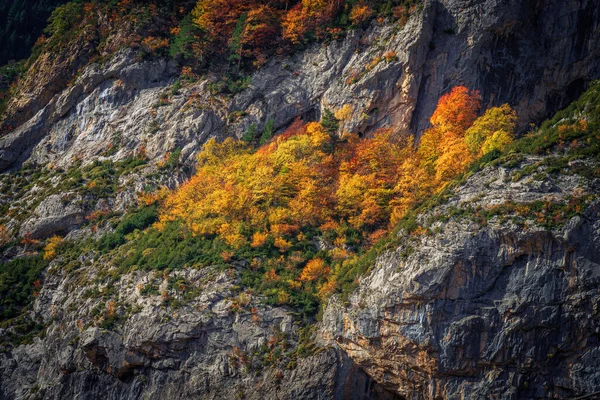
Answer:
[(303, 185)]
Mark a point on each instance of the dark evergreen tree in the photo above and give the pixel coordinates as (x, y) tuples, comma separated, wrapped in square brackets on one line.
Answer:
[(21, 23), (330, 122)]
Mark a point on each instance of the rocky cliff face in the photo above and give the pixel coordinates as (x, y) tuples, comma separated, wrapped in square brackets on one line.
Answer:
[(475, 308), (535, 56), (203, 349), (481, 302)]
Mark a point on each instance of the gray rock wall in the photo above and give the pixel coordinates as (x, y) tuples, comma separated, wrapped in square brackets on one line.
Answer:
[(203, 349), (483, 310)]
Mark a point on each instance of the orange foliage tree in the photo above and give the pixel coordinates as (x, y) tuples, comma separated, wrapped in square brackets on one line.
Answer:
[(308, 16), (443, 148)]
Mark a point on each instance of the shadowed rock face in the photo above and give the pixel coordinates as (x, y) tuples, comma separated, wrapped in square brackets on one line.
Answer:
[(480, 311), (535, 55)]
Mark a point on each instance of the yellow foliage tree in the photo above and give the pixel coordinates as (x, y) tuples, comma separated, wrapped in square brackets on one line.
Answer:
[(284, 185), (51, 246), (293, 24), (314, 270), (308, 16), (259, 239), (344, 113), (493, 130), (453, 160), (498, 141), (282, 244), (367, 179), (414, 184)]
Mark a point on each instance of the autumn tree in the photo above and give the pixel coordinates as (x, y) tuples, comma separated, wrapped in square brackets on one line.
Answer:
[(276, 189), (294, 25), (414, 184), (456, 111), (456, 138), (492, 131), (51, 247), (443, 148), (217, 20), (360, 13), (308, 17), (367, 180), (314, 270), (262, 32)]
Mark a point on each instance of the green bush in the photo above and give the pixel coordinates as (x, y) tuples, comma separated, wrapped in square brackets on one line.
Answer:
[(63, 18), (173, 160), (182, 44), (18, 284), (141, 219), (267, 133), (250, 134)]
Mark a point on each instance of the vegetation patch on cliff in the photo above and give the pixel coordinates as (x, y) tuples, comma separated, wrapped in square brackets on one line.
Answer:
[(306, 214), (298, 212), (227, 38)]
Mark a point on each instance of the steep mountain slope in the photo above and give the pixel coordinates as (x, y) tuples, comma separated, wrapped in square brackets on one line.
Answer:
[(481, 309), (199, 349), (551, 56), (130, 105), (495, 293), (491, 291)]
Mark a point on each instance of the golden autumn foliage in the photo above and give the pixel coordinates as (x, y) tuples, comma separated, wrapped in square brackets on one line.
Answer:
[(492, 131), (302, 187), (51, 246), (308, 16), (457, 137), (345, 113), (367, 180), (255, 29), (360, 13), (259, 239), (314, 270), (282, 244), (456, 111), (328, 288), (274, 190)]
